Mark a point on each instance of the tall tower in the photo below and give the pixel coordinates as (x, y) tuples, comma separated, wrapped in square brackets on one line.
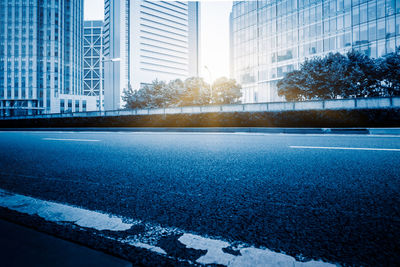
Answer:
[(93, 60), (152, 40), (272, 38), (40, 55)]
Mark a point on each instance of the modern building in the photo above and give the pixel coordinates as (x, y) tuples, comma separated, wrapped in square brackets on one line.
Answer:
[(41, 45), (93, 61), (273, 37), (147, 40)]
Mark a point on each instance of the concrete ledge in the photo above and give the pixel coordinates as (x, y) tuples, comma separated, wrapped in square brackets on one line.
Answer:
[(371, 131), (384, 131), (373, 103), (313, 105), (309, 105), (340, 104), (40, 249)]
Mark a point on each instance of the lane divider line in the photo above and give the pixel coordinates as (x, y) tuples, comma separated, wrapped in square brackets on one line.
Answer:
[(151, 235), (72, 140), (347, 148)]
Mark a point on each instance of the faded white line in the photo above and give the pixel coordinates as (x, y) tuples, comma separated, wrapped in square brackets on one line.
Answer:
[(62, 213), (56, 212), (248, 256), (347, 148), (72, 140)]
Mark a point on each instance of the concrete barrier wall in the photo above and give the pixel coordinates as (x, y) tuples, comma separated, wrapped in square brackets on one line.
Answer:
[(340, 104), (360, 103), (232, 108), (191, 110), (208, 109), (156, 111), (173, 110), (255, 107), (396, 101), (281, 106), (142, 112), (309, 105), (373, 103)]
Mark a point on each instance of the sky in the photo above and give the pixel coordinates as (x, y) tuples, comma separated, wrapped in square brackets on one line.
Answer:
[(214, 34)]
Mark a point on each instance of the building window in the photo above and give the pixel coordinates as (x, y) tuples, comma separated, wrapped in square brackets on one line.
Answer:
[(69, 105), (62, 105)]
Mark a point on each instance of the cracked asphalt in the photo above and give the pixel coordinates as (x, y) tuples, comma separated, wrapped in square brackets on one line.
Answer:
[(341, 206)]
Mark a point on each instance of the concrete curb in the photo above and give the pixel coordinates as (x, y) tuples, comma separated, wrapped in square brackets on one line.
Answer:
[(371, 131), (40, 249), (154, 245)]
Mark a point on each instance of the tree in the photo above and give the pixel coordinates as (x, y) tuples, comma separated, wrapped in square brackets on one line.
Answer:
[(129, 96), (176, 88), (196, 92), (292, 86), (390, 71), (149, 96), (226, 91), (363, 74), (318, 78), (333, 76)]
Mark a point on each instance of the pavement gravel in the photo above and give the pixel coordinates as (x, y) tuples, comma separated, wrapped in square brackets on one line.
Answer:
[(340, 206)]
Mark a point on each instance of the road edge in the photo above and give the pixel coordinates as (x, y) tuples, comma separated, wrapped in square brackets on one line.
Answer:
[(364, 131)]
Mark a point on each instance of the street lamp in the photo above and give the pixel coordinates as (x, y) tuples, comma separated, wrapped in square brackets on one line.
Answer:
[(111, 59), (104, 59)]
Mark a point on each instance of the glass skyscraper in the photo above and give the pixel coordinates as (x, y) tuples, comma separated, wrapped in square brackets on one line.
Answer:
[(93, 60), (152, 40), (272, 37), (41, 44)]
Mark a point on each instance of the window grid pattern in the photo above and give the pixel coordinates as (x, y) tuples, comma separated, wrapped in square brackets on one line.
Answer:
[(40, 54), (92, 59), (273, 37)]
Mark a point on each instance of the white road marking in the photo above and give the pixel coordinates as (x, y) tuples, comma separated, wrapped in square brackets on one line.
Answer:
[(347, 148), (147, 246), (73, 140), (249, 256), (62, 213), (56, 212)]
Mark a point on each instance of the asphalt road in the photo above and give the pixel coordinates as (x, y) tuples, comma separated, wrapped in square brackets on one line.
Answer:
[(290, 193)]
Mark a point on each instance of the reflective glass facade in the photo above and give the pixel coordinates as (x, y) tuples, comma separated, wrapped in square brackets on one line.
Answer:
[(40, 54), (152, 39), (272, 37)]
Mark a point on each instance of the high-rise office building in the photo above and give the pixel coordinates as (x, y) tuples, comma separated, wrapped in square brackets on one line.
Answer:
[(93, 60), (147, 40), (273, 37), (41, 57)]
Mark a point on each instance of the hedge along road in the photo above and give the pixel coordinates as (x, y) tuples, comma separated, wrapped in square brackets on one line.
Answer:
[(300, 194)]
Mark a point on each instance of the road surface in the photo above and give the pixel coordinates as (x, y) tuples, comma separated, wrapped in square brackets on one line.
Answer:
[(330, 197)]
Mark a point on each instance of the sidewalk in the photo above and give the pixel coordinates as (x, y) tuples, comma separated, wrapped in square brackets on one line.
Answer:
[(21, 246)]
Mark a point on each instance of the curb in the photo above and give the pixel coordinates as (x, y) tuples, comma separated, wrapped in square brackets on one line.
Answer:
[(41, 249), (366, 131), (139, 242)]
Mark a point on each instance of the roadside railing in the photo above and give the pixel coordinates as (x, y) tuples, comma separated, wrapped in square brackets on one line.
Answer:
[(353, 103)]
